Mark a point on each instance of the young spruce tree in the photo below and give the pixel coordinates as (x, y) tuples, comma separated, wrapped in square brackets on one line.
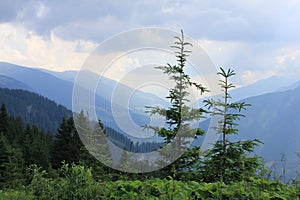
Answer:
[(179, 115), (229, 160)]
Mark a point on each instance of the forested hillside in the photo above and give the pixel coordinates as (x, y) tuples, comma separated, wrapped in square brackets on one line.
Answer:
[(33, 109), (23, 145)]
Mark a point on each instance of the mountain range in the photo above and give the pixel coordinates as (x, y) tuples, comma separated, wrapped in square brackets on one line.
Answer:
[(273, 117), (60, 90)]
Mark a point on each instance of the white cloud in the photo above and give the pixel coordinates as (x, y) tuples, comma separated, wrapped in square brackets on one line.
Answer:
[(254, 61), (23, 47), (288, 62), (249, 76)]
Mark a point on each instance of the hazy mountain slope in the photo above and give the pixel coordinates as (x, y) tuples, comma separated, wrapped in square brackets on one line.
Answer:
[(290, 87), (8, 82), (61, 91), (260, 87), (106, 86), (275, 119), (41, 82), (69, 75)]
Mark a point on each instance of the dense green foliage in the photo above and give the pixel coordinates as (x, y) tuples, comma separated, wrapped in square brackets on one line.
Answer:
[(20, 147), (76, 182)]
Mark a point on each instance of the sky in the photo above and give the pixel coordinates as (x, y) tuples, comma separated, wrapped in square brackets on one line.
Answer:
[(257, 38)]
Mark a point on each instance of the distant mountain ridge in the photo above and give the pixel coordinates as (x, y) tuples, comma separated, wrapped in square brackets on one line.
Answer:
[(106, 86), (40, 82), (289, 87), (11, 83), (268, 85)]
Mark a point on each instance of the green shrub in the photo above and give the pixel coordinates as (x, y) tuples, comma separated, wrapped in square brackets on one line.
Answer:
[(15, 195), (76, 182)]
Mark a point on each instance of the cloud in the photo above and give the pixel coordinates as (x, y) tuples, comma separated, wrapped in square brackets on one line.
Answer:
[(257, 38), (288, 62), (254, 61), (95, 20), (10, 9), (23, 47)]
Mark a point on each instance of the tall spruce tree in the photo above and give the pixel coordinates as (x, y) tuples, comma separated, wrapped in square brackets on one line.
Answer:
[(94, 146), (228, 160), (100, 149), (36, 149), (3, 120), (125, 162), (179, 115), (27, 147), (16, 131), (66, 146), (11, 165)]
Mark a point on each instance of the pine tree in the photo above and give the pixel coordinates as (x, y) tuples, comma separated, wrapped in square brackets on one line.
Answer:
[(179, 116), (3, 120), (35, 147), (84, 139), (102, 168), (27, 147), (40, 150), (94, 151), (11, 165), (125, 162), (16, 131), (228, 160), (66, 146)]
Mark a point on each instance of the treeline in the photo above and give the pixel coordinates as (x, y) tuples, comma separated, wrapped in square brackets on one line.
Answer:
[(33, 109), (23, 145), (128, 144)]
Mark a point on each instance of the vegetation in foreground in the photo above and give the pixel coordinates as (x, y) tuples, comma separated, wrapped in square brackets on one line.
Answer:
[(76, 182)]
